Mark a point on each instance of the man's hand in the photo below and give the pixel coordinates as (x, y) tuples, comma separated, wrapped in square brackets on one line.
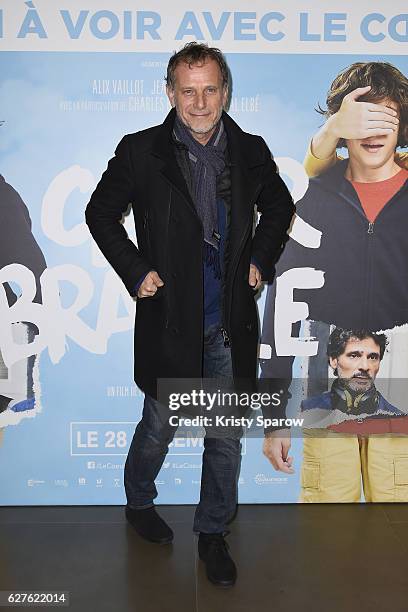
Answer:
[(255, 277), (354, 120), (276, 447), (150, 284)]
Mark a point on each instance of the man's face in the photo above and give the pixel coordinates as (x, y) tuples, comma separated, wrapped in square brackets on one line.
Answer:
[(374, 152), (199, 97), (359, 363)]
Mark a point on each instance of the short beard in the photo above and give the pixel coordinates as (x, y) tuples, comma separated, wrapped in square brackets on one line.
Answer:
[(204, 130), (355, 386)]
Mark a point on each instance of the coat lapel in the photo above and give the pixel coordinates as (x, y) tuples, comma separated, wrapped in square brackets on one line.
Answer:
[(164, 152), (244, 158), (245, 184)]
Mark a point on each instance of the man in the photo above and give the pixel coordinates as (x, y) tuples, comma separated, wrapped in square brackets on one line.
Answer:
[(359, 205), (193, 182), (339, 449)]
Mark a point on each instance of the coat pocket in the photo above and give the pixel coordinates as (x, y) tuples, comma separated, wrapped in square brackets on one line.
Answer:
[(146, 233)]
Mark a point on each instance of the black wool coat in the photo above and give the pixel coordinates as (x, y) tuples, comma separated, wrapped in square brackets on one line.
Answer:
[(169, 326)]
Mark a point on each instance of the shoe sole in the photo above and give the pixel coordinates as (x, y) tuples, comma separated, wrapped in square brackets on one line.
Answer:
[(160, 542), (221, 585)]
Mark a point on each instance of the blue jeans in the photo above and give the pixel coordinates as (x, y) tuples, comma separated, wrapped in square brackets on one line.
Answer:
[(221, 457)]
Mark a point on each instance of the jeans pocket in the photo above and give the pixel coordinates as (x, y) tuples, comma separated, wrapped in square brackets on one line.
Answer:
[(401, 471), (401, 479), (310, 475)]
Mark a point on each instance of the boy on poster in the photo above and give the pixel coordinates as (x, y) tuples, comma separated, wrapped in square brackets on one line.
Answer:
[(359, 206)]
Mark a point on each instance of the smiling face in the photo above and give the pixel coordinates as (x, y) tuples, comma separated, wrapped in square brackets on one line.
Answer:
[(199, 97), (359, 363), (373, 153)]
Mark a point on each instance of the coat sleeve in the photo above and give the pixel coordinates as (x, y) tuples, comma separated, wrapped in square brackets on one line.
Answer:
[(104, 212), (276, 209)]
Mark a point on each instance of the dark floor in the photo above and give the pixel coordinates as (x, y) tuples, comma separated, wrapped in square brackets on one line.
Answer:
[(289, 557)]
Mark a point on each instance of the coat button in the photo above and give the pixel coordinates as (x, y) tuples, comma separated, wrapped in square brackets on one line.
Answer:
[(249, 326), (175, 330)]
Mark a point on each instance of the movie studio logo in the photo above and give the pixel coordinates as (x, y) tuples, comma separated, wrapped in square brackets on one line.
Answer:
[(31, 482), (166, 465), (99, 483), (186, 466), (116, 482), (82, 481), (177, 481), (61, 482), (262, 479)]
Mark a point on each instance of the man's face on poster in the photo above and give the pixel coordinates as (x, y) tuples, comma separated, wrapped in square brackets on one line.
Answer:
[(375, 151), (358, 364)]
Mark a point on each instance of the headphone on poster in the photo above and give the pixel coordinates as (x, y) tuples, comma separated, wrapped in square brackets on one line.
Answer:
[(354, 401)]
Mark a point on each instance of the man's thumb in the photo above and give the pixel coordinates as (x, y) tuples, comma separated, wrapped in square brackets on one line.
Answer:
[(156, 279), (360, 91)]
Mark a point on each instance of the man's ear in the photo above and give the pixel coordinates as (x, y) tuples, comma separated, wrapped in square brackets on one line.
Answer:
[(333, 362), (170, 95), (225, 95)]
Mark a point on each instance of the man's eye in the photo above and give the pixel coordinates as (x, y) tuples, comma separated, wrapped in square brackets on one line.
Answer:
[(211, 90)]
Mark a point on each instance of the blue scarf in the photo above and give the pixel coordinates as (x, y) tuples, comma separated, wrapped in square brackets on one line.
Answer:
[(206, 162)]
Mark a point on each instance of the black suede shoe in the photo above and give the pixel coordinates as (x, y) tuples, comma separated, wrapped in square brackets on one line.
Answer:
[(213, 550), (149, 525)]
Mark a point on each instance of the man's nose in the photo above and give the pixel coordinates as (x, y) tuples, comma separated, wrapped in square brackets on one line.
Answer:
[(364, 364), (200, 100)]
